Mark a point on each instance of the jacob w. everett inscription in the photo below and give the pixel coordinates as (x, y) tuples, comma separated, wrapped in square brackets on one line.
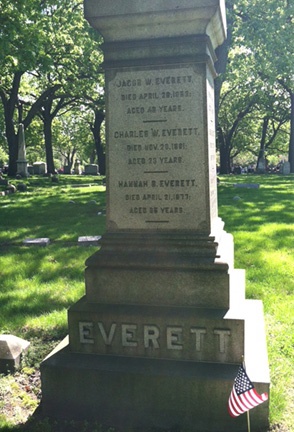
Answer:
[(155, 143)]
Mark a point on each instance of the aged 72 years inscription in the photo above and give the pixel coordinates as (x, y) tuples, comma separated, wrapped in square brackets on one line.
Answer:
[(156, 145)]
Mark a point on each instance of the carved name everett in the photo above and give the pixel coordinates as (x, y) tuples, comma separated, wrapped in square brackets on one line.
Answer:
[(151, 336)]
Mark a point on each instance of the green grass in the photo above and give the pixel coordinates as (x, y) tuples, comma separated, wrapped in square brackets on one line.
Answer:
[(60, 211), (39, 284), (262, 222)]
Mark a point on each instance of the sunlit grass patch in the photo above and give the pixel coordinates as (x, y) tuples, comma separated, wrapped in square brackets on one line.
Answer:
[(262, 223), (58, 213), (38, 285)]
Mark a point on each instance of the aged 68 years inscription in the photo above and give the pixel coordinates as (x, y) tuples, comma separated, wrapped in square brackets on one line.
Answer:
[(156, 145)]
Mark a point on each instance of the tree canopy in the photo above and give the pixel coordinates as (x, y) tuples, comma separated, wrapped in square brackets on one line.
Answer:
[(256, 111), (50, 64), (52, 82)]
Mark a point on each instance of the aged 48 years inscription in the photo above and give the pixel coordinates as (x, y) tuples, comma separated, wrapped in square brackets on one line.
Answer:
[(156, 140)]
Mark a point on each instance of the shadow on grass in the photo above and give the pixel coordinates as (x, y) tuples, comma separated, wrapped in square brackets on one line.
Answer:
[(243, 208), (54, 212), (39, 284)]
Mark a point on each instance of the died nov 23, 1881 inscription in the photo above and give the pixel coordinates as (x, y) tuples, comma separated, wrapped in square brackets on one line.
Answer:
[(156, 136)]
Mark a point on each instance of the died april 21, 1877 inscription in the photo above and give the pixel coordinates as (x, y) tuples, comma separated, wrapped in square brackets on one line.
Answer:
[(156, 136)]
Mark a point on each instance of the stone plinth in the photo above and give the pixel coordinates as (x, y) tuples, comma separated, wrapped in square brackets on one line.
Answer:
[(40, 168), (91, 169), (158, 337), (22, 168), (11, 350), (42, 241), (88, 240)]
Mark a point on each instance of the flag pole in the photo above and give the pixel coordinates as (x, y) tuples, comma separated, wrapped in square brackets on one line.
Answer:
[(248, 412), (248, 421)]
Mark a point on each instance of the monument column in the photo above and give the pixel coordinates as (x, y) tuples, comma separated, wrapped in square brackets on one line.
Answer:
[(157, 340)]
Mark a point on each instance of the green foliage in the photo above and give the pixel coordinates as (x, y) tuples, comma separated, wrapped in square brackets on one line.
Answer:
[(261, 221), (51, 64), (258, 84)]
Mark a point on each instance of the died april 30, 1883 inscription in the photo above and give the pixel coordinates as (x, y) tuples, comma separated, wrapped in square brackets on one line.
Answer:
[(157, 146)]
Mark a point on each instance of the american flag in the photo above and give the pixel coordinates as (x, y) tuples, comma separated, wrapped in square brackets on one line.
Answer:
[(243, 396)]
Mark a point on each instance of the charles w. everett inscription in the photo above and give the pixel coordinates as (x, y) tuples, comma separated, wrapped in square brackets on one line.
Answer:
[(155, 140)]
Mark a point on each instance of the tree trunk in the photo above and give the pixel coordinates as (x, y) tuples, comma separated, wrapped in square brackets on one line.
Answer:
[(12, 141), (224, 152), (47, 128), (9, 106), (222, 53), (291, 142), (48, 145), (99, 117), (261, 156)]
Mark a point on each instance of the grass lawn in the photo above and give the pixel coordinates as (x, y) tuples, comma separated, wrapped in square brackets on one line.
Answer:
[(39, 284), (262, 222)]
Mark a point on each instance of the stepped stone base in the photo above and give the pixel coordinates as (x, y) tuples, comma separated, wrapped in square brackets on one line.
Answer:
[(140, 393)]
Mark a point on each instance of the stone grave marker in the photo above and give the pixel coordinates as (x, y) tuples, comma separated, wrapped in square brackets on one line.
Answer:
[(11, 350), (88, 240), (91, 169), (157, 339), (40, 168), (41, 241), (31, 170), (286, 169), (66, 169), (77, 168)]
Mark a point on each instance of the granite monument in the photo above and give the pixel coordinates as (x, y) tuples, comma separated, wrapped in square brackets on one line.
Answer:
[(157, 339)]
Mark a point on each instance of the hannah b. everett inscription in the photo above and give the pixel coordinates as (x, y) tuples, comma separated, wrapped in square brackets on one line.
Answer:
[(156, 136)]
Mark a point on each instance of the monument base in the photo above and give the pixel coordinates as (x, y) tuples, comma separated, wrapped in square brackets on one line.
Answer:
[(145, 394)]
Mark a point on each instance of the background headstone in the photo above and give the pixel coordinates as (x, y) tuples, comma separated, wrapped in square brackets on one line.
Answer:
[(40, 168), (66, 169), (286, 168), (31, 169), (77, 168), (91, 169), (42, 241), (88, 240)]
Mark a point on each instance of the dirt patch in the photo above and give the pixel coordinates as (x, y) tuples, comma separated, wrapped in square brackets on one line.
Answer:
[(20, 396)]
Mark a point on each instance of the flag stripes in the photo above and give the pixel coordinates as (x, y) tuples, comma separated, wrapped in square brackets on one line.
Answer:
[(243, 396)]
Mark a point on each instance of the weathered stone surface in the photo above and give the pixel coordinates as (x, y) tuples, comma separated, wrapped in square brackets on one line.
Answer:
[(88, 240), (130, 392), (91, 169), (158, 338), (156, 142), (156, 332), (41, 241), (40, 168), (11, 349), (154, 20)]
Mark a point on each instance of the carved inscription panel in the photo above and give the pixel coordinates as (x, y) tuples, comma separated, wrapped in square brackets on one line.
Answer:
[(200, 343), (157, 149)]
